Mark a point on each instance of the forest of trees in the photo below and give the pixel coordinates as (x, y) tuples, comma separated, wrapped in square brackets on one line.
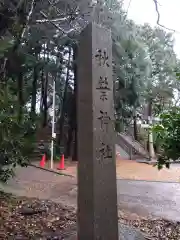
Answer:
[(39, 45)]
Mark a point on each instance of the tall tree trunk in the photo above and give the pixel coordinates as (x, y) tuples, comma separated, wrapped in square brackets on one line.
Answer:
[(70, 135), (45, 105), (71, 125), (42, 91), (75, 53), (135, 128), (45, 95), (69, 142), (61, 120), (150, 138), (34, 92), (20, 95), (149, 115)]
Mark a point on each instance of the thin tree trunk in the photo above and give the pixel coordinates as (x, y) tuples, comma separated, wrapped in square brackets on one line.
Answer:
[(150, 138), (135, 128), (149, 115), (45, 105), (34, 92), (45, 95), (20, 95), (61, 120), (71, 125), (70, 139), (42, 91)]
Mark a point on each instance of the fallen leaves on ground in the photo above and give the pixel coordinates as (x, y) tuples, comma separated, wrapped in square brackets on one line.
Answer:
[(154, 229), (24, 218), (49, 221)]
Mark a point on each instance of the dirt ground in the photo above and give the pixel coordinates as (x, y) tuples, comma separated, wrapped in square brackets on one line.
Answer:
[(127, 169), (130, 169)]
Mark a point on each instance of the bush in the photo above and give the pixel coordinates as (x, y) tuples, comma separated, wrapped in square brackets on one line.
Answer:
[(168, 132), (15, 137)]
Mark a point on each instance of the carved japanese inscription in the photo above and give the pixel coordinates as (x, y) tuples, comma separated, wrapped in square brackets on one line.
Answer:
[(102, 58), (105, 151), (103, 88), (104, 120)]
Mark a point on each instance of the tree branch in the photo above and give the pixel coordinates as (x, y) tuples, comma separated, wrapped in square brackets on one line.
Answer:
[(53, 20), (58, 27), (28, 17), (158, 18)]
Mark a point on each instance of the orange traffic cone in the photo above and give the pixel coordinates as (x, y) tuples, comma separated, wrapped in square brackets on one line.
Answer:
[(61, 164), (43, 161)]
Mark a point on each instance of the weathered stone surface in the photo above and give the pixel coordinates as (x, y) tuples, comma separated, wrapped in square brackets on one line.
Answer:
[(128, 233), (27, 211), (125, 233), (97, 192)]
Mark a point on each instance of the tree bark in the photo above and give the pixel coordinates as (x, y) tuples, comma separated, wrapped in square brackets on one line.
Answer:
[(149, 115), (135, 127), (45, 105), (34, 91), (42, 91), (150, 138), (69, 140), (20, 95), (61, 120), (45, 86)]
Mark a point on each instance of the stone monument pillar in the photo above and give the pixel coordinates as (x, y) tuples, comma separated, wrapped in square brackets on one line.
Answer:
[(97, 190)]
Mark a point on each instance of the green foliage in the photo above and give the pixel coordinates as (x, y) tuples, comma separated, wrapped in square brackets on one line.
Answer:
[(162, 78), (5, 45), (167, 134), (15, 137), (144, 63)]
